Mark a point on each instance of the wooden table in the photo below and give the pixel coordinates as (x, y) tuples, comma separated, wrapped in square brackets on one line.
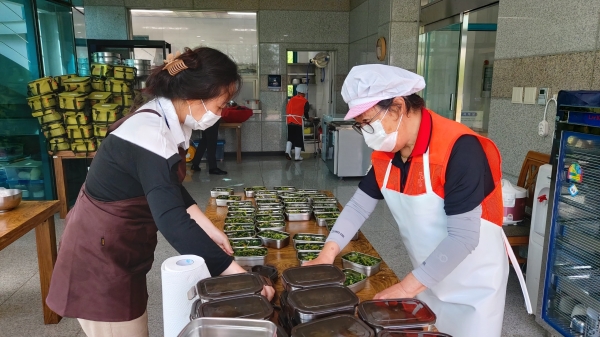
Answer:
[(19, 221), (238, 136), (59, 173), (285, 258)]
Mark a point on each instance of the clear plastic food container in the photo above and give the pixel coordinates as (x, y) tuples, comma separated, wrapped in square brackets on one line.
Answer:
[(308, 304), (250, 306), (312, 276), (338, 325), (229, 286), (397, 314)]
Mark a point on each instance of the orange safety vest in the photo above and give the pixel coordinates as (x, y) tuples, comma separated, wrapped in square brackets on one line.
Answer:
[(444, 133), (295, 107)]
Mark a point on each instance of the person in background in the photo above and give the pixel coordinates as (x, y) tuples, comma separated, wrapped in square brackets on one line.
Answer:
[(296, 109), (208, 143), (442, 183), (133, 189)]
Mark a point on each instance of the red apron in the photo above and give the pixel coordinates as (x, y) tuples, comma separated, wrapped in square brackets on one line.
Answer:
[(105, 252)]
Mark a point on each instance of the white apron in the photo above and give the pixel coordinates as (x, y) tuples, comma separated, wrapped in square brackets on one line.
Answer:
[(469, 302)]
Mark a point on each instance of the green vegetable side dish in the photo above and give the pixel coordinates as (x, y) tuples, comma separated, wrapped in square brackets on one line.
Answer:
[(298, 211), (288, 200), (309, 246), (362, 259), (239, 220), (255, 188), (269, 218), (241, 209), (241, 213), (250, 252), (328, 210), (353, 277), (332, 215), (267, 201), (273, 235), (312, 238), (270, 212), (244, 234), (307, 256), (230, 197), (231, 228), (222, 189), (245, 243), (270, 224), (247, 204)]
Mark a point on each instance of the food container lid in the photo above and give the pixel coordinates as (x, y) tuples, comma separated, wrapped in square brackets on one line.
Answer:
[(396, 314), (251, 306), (338, 325), (408, 333), (266, 271), (323, 299), (312, 276), (221, 287), (211, 326)]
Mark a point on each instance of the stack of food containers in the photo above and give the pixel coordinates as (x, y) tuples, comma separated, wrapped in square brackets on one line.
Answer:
[(43, 102), (233, 296), (404, 315), (314, 292), (73, 102)]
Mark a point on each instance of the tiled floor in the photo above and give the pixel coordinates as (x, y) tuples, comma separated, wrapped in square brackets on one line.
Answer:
[(20, 299)]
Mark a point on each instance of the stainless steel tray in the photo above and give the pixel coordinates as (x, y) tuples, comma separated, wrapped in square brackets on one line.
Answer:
[(272, 243), (215, 194), (322, 222), (228, 327), (275, 226), (243, 203), (271, 204), (269, 212), (304, 216), (297, 204), (270, 218), (249, 261), (266, 192), (309, 238), (240, 209), (239, 220), (247, 234), (301, 256), (307, 191), (308, 250), (242, 227), (270, 207), (247, 213), (367, 270), (324, 205), (257, 245), (358, 286)]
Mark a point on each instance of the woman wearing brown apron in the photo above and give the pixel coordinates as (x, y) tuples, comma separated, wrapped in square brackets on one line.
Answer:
[(133, 189)]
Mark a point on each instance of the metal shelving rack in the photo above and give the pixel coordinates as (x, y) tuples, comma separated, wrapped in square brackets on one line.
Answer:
[(118, 45)]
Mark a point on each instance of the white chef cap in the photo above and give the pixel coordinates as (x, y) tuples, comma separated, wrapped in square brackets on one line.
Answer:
[(368, 84)]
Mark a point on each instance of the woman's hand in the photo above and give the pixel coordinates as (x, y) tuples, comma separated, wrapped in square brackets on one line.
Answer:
[(268, 292), (407, 288), (213, 232), (326, 256)]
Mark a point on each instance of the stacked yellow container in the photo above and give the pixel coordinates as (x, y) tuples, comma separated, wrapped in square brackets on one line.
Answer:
[(76, 116), (43, 102)]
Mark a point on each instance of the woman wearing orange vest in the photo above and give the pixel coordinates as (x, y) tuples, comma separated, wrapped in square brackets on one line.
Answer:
[(441, 182), (296, 109)]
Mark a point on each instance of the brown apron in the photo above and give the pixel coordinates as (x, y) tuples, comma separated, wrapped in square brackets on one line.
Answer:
[(105, 252)]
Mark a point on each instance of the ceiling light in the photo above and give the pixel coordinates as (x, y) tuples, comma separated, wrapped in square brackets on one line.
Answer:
[(165, 28), (244, 30), (198, 36), (149, 11), (203, 40), (241, 13)]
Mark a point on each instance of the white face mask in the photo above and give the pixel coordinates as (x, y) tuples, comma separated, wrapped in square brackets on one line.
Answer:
[(379, 140), (208, 119)]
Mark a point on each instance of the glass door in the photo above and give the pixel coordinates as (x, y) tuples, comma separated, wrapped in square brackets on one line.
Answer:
[(439, 52), (457, 62)]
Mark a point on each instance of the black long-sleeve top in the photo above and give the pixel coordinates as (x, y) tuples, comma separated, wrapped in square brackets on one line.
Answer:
[(141, 158)]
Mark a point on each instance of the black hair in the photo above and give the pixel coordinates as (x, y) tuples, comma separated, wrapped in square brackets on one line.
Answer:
[(413, 101), (209, 73)]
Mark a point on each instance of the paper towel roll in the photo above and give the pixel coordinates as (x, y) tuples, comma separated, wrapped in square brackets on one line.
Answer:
[(179, 274)]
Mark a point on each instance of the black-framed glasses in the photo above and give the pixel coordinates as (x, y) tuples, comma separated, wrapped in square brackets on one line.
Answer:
[(365, 126)]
